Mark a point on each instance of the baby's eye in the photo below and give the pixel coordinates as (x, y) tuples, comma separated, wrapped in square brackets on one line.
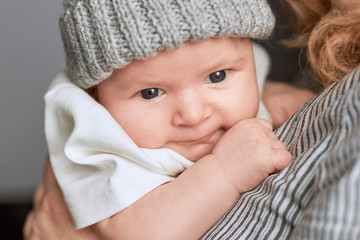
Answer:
[(150, 93), (217, 77)]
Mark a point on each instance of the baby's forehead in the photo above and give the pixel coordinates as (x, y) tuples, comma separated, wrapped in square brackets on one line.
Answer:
[(215, 48), (191, 57), (193, 61)]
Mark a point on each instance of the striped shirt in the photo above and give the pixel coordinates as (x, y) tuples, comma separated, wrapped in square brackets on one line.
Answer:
[(318, 195)]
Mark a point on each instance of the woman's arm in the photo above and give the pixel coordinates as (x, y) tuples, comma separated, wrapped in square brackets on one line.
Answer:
[(50, 218)]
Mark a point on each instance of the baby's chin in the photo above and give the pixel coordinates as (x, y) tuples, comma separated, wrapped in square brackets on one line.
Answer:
[(195, 152)]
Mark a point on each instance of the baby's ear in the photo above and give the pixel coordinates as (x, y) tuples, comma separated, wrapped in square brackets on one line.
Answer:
[(93, 93)]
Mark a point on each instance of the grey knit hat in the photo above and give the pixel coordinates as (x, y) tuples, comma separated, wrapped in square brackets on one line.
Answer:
[(102, 35)]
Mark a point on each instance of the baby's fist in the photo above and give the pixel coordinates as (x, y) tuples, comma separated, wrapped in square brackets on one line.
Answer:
[(249, 151)]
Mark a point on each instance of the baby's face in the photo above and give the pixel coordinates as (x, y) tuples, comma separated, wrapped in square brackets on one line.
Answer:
[(184, 99)]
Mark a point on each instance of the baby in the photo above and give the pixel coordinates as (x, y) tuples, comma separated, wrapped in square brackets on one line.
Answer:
[(152, 131)]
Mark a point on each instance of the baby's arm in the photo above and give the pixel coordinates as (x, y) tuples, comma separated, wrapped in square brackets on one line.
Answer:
[(189, 205)]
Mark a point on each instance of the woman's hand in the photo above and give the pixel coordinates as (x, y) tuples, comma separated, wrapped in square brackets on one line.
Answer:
[(282, 100), (50, 219)]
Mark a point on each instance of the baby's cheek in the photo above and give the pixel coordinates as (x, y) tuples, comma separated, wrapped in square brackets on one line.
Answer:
[(153, 136), (242, 113), (244, 103)]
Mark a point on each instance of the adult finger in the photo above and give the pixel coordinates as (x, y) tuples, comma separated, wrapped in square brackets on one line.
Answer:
[(27, 229), (39, 193)]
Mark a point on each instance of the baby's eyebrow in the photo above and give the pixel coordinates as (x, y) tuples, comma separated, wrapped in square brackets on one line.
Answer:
[(139, 83), (223, 64)]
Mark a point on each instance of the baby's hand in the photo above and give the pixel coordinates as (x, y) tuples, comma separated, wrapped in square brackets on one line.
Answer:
[(249, 152)]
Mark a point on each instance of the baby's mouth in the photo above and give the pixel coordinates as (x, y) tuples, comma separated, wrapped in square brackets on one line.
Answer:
[(211, 138)]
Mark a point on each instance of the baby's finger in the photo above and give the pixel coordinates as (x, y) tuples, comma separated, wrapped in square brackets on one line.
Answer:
[(272, 136), (280, 159), (265, 123), (279, 145)]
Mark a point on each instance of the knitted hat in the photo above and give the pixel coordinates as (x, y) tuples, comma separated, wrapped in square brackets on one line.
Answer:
[(102, 35)]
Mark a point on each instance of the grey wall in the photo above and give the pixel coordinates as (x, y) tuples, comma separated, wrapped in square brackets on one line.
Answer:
[(31, 53)]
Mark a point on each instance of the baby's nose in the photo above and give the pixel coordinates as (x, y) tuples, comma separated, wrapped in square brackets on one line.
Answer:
[(191, 110)]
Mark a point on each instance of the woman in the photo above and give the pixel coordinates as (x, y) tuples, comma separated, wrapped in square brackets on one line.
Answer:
[(289, 204), (317, 196), (330, 31)]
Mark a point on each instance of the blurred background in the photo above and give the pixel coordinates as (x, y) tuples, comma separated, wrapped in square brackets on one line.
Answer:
[(31, 53)]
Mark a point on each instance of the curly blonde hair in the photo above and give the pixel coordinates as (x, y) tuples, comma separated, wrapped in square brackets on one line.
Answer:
[(331, 36)]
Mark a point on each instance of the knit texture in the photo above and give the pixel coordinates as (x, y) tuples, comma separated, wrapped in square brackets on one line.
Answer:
[(102, 35)]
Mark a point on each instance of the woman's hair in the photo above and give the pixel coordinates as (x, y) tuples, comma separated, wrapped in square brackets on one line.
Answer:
[(331, 36)]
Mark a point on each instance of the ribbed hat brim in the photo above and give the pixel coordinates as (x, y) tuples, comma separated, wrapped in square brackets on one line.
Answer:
[(102, 35)]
